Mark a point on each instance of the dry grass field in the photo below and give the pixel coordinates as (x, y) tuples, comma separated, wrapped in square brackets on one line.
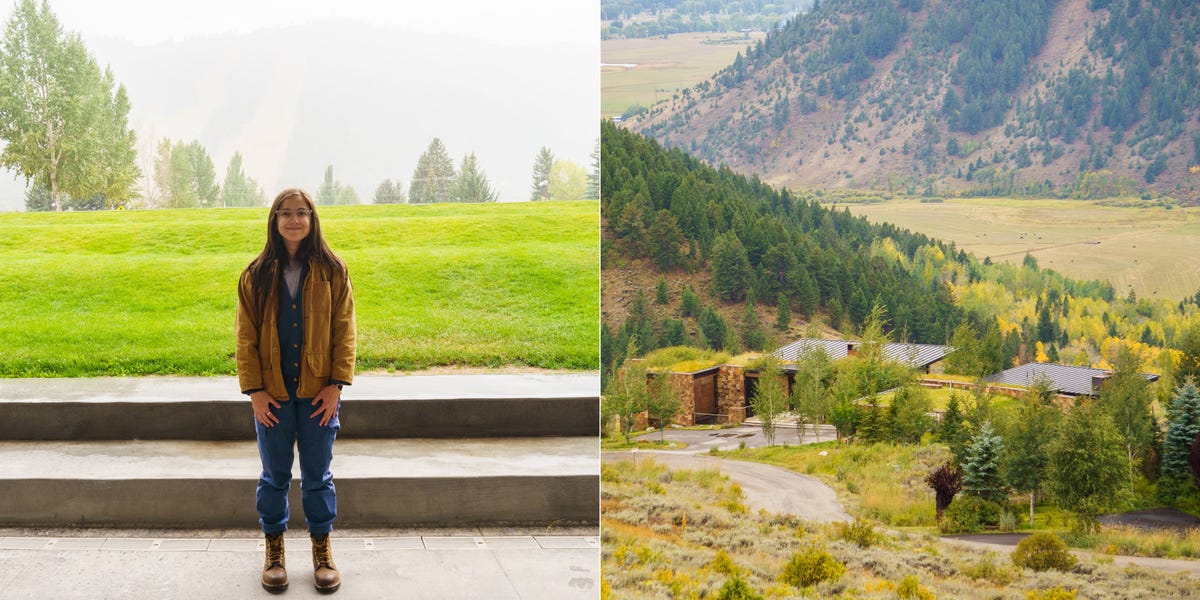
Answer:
[(1154, 251), (645, 71)]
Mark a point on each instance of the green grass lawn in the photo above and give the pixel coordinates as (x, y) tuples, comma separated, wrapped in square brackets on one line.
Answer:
[(1153, 251), (142, 292)]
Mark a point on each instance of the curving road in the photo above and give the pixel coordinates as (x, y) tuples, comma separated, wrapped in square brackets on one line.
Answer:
[(780, 491), (774, 489)]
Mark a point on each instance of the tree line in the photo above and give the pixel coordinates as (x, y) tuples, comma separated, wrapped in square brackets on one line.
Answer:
[(758, 244)]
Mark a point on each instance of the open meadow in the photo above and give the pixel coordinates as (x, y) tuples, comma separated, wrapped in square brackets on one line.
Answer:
[(647, 70), (154, 292), (1153, 251), (688, 534)]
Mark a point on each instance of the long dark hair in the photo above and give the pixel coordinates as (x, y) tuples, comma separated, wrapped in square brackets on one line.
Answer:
[(264, 270)]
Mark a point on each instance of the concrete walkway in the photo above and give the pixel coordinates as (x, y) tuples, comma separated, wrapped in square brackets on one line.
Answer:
[(487, 563)]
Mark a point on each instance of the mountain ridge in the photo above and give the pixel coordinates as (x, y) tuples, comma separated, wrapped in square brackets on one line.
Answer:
[(907, 96)]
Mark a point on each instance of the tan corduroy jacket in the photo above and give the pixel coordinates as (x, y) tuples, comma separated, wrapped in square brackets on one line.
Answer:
[(329, 335)]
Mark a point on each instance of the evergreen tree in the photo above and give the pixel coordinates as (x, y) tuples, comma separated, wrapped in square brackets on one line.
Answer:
[(783, 314), (593, 177), (731, 267), (752, 332), (953, 430), (433, 178), (660, 292), (472, 185), (874, 426), (204, 175), (543, 164), (982, 476), (1183, 426), (713, 328), (238, 189), (689, 303), (389, 192), (665, 240)]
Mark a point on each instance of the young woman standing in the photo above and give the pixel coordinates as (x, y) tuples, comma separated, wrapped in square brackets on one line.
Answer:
[(295, 351)]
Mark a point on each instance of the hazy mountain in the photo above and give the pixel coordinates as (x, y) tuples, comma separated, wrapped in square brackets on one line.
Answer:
[(1082, 97), (366, 99)]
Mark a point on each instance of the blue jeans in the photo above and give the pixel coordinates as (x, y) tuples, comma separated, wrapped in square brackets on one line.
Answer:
[(275, 447)]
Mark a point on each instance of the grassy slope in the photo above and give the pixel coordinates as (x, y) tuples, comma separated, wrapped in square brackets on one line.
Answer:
[(1153, 251), (680, 61), (117, 293)]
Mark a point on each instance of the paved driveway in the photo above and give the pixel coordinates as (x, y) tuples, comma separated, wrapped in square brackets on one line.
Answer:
[(699, 441)]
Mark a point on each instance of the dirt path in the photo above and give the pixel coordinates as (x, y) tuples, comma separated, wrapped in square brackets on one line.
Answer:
[(774, 489)]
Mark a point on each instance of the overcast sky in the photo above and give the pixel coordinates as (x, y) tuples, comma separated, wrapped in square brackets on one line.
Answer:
[(524, 26), (146, 22)]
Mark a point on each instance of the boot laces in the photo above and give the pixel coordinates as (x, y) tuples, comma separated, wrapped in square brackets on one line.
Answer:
[(322, 553), (275, 551)]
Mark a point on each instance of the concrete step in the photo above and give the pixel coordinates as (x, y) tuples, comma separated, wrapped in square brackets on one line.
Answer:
[(380, 483), (379, 406)]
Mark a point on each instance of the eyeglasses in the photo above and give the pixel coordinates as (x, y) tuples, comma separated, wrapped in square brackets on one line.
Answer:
[(287, 214)]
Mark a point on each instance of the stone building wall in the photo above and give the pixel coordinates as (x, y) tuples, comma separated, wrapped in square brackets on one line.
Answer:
[(731, 393), (684, 387)]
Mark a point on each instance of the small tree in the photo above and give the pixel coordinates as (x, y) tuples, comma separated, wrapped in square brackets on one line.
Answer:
[(770, 399), (981, 472), (1087, 466), (783, 313), (389, 192), (1028, 450), (810, 390), (660, 292), (953, 430), (661, 402), (909, 414), (1127, 397), (752, 332), (471, 184), (543, 163), (434, 176), (946, 482), (627, 392)]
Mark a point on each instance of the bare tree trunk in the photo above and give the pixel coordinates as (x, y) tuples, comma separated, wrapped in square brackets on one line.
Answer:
[(1032, 494)]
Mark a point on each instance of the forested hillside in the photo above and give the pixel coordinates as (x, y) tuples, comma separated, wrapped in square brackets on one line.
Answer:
[(1090, 98), (705, 257)]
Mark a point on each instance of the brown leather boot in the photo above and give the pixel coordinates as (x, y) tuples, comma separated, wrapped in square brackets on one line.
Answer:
[(325, 574), (274, 577)]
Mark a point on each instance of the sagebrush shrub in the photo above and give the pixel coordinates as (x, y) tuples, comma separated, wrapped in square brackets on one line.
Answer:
[(811, 566), (910, 589), (860, 533), (1054, 593), (1043, 551)]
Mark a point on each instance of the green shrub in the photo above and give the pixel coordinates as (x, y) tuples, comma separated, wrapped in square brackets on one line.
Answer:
[(811, 566), (1007, 522), (737, 589), (1043, 551), (1054, 593), (989, 571), (860, 533), (722, 563), (969, 514), (910, 589)]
